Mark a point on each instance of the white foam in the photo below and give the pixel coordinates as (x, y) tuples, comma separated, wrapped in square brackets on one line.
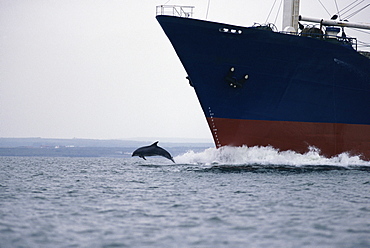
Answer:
[(266, 156)]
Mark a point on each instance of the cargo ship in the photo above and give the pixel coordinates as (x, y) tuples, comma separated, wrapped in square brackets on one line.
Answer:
[(304, 87)]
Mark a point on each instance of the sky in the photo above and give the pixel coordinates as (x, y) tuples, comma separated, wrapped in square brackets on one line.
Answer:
[(104, 69)]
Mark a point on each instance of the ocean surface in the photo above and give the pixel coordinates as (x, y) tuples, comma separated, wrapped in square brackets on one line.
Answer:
[(229, 197)]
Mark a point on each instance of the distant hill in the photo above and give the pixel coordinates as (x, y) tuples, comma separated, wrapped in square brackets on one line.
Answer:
[(87, 147), (42, 142)]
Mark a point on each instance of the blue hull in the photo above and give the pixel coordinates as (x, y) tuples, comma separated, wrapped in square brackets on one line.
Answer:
[(289, 78)]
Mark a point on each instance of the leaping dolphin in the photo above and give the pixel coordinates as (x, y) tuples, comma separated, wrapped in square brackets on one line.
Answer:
[(152, 150)]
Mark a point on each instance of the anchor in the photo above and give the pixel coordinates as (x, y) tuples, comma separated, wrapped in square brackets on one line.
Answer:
[(233, 81)]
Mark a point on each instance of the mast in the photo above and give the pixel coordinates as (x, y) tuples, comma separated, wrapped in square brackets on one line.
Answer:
[(290, 14)]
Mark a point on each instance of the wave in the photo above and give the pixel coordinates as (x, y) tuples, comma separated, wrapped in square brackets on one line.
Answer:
[(269, 157)]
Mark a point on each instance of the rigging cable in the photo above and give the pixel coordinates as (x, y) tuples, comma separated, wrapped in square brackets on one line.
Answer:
[(362, 31), (278, 11), (349, 5), (356, 12), (270, 11), (209, 1), (361, 44), (351, 8), (324, 7), (336, 5)]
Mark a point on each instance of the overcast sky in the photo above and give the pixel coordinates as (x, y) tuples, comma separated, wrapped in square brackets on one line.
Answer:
[(104, 69)]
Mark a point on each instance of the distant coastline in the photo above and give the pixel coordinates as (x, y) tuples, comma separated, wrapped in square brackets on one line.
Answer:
[(45, 147)]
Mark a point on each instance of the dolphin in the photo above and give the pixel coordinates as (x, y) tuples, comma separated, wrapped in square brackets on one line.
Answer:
[(152, 150)]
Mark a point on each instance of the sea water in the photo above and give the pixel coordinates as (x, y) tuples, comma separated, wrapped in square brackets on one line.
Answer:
[(229, 197)]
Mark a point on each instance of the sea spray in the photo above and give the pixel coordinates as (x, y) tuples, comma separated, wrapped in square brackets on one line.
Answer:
[(266, 156)]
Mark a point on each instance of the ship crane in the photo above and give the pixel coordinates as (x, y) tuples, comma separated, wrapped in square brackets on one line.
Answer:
[(335, 23), (291, 17)]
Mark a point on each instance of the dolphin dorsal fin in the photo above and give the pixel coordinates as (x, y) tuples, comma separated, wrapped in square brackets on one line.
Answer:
[(155, 143)]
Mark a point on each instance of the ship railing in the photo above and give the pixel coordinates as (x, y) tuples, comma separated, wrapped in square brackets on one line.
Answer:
[(344, 41), (349, 41), (175, 10)]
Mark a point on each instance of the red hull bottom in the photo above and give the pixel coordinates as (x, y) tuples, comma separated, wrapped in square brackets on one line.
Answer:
[(330, 138)]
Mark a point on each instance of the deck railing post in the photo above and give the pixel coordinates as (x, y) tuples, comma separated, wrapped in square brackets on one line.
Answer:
[(175, 10)]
